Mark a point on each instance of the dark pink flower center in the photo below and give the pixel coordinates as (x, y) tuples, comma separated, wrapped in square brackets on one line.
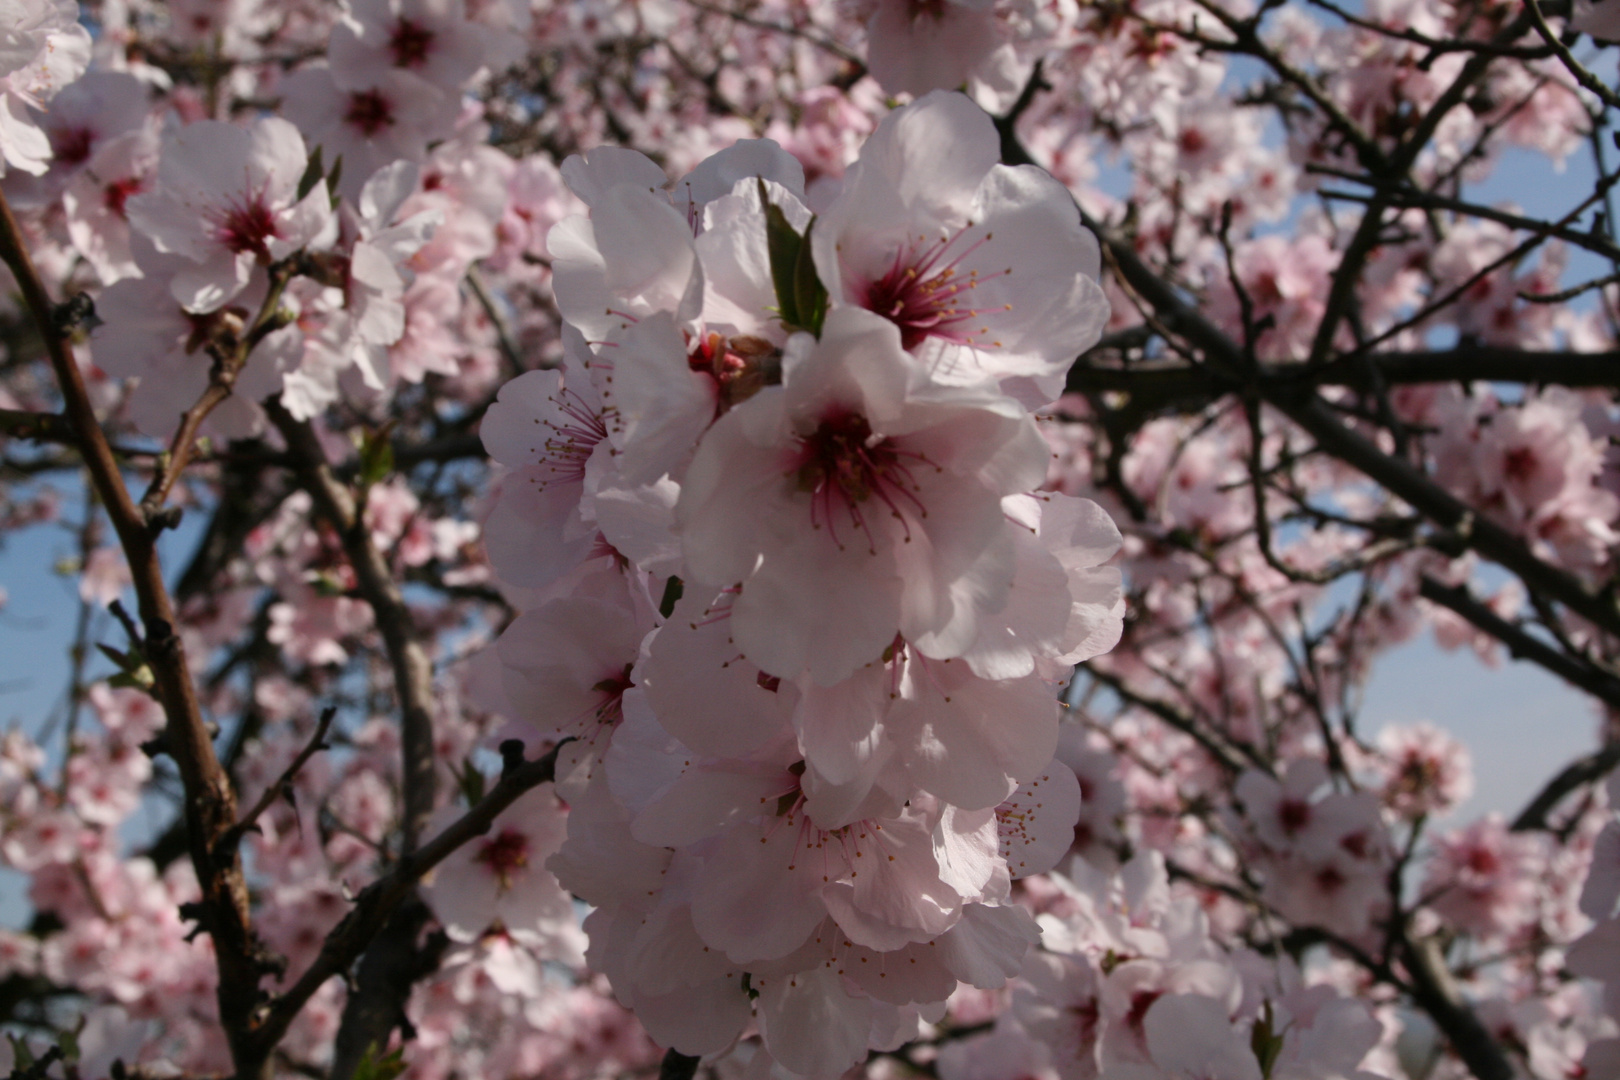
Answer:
[(1519, 463), (926, 295), (411, 43), (247, 227), (505, 855), (1293, 815), (71, 146), (117, 193), (369, 112), (843, 466), (1330, 879)]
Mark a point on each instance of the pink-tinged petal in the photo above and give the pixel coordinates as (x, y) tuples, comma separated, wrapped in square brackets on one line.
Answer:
[(601, 862), (1037, 821), (1601, 892), (905, 976), (594, 173), (1191, 1035), (644, 759), (565, 663), (892, 894), (811, 1024), (842, 604), (966, 848), (705, 800), (706, 693), (973, 741), (745, 159), (534, 534), (697, 1020), (667, 953), (840, 726), (988, 944), (1596, 954), (758, 896), (660, 405), (739, 293), (736, 495)]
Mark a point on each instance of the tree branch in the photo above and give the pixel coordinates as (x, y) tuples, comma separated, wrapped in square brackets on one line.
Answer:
[(1311, 413), (1436, 992), (384, 984), (1521, 644), (377, 901), (1585, 770), (210, 802)]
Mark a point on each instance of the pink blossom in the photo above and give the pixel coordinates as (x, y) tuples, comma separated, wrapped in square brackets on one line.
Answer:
[(1482, 878), (882, 491), (985, 269), (501, 879), (226, 200), (1425, 770), (920, 45), (43, 50)]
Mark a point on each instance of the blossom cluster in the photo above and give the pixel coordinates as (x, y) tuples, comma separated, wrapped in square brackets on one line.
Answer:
[(792, 590), (923, 699)]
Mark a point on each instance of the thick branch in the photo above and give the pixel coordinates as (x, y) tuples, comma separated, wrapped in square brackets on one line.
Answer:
[(1436, 993), (210, 804), (1521, 644), (1165, 383), (1586, 770)]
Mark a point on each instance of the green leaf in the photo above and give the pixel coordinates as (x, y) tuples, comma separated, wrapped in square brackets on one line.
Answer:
[(332, 179), (471, 781), (376, 455), (327, 585), (672, 596), (809, 292), (380, 1067), (122, 659), (801, 298), (22, 1057), (139, 677), (312, 174), (1265, 1040)]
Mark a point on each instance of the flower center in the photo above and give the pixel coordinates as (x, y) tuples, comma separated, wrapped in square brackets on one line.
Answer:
[(845, 848), (369, 112), (843, 466), (411, 43), (505, 856), (926, 294), (570, 439), (1293, 815), (71, 146), (246, 226), (117, 193), (741, 366)]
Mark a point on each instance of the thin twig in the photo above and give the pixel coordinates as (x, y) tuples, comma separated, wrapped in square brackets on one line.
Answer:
[(317, 743), (378, 900)]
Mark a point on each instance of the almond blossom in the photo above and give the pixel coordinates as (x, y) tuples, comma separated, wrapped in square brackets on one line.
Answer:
[(227, 201), (42, 51)]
